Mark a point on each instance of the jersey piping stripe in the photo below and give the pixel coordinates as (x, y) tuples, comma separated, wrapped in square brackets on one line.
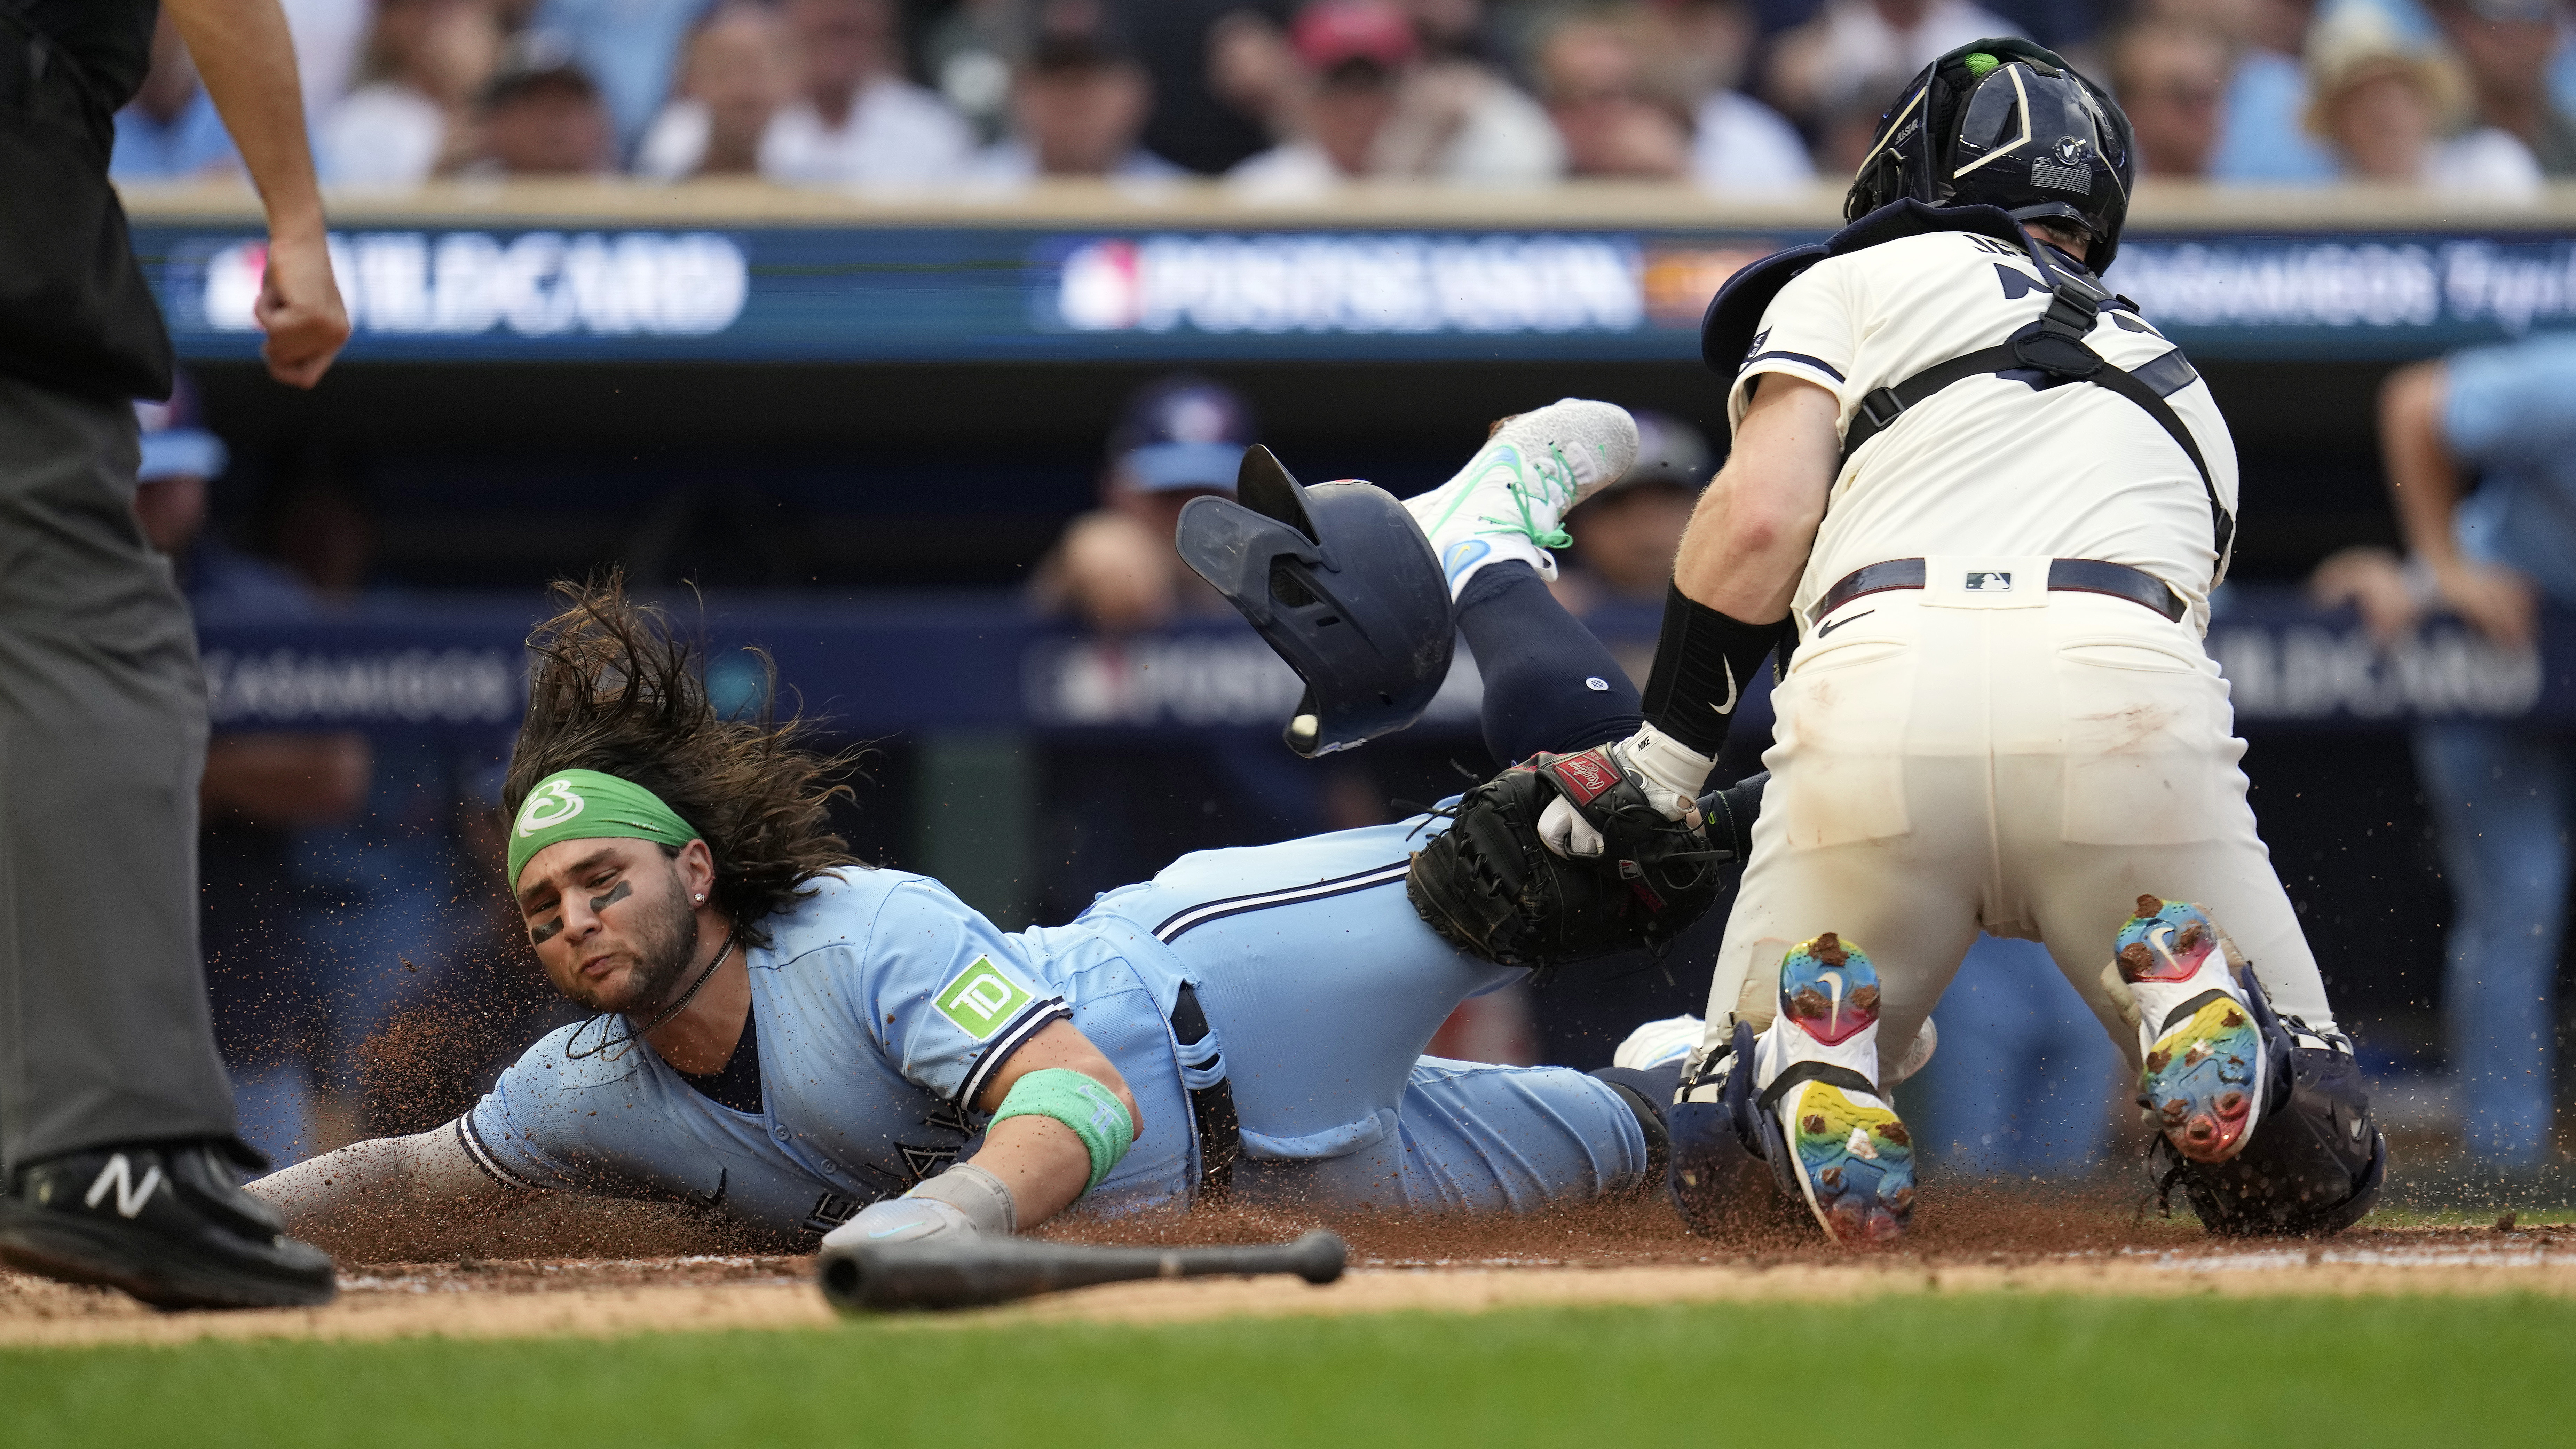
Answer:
[(482, 1157), (1013, 1037), (1818, 363), (1199, 915)]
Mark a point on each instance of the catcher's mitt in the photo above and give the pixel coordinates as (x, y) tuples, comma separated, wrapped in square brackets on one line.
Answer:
[(1491, 887)]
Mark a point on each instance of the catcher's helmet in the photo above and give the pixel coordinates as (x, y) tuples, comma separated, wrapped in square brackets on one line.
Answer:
[(2005, 123), (1340, 580)]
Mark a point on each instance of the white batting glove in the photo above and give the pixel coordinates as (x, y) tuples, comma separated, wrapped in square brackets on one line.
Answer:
[(902, 1220), (1669, 773)]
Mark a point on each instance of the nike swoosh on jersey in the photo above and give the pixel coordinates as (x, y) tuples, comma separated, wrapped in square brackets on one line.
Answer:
[(1824, 629)]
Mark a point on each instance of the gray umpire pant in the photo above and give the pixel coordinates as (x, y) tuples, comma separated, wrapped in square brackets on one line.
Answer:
[(105, 1034)]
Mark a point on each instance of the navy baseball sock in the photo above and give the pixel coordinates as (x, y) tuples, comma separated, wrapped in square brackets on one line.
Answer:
[(1549, 684)]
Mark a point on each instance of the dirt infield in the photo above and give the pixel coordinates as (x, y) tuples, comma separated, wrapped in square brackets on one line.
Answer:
[(1607, 1255)]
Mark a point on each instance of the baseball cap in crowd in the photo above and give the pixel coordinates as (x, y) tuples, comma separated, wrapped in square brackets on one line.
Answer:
[(534, 59), (1334, 33), (1183, 431), (174, 446), (1670, 453)]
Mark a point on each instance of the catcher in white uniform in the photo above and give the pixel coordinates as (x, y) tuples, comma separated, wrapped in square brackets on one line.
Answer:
[(1978, 505)]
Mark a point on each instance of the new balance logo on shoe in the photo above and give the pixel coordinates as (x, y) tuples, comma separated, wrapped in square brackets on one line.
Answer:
[(119, 1174)]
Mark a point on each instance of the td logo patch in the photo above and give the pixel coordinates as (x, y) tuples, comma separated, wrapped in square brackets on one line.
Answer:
[(982, 999)]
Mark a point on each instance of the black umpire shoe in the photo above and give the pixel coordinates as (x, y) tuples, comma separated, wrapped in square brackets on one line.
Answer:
[(164, 1222)]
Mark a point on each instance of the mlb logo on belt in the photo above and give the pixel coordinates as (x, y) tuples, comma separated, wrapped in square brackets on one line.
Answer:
[(1986, 581)]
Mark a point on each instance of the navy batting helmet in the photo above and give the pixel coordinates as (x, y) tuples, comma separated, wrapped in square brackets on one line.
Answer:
[(1340, 580), (2005, 123)]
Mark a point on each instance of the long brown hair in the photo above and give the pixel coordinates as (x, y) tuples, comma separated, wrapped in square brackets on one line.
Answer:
[(617, 691)]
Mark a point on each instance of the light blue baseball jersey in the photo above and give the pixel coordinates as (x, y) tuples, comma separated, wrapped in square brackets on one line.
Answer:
[(883, 1004), (2510, 414)]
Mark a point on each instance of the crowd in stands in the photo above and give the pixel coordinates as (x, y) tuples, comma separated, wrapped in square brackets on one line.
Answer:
[(1288, 100)]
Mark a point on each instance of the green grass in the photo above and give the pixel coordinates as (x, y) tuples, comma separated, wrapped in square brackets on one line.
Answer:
[(1975, 1370)]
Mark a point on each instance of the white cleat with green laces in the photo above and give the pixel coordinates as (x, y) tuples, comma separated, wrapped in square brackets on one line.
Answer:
[(1511, 499)]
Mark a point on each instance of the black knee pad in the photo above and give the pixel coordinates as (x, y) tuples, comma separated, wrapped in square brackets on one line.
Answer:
[(2314, 1164), (1649, 1093)]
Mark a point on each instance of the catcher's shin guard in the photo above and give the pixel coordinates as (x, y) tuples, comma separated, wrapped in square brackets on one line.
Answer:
[(1649, 1093), (1722, 1177), (2315, 1161)]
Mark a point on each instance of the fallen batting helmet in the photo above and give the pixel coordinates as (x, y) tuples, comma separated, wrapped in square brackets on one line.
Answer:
[(1340, 580), (2005, 123)]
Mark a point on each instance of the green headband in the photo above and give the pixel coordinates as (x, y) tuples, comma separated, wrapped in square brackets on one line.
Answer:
[(587, 805)]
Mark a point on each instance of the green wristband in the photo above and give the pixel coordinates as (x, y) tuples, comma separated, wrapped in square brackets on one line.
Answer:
[(1092, 1111)]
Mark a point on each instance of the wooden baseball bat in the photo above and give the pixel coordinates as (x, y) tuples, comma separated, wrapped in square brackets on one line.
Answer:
[(880, 1278)]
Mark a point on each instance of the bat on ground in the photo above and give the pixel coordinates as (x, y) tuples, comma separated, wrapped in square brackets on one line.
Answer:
[(999, 1270)]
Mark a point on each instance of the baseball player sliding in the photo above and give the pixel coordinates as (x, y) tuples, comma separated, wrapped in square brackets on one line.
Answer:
[(1977, 504), (810, 1045)]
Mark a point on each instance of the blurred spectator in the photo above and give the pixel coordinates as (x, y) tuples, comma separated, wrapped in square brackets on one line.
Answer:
[(1253, 71), (2384, 102), (257, 789), (2065, 26), (169, 131), (2562, 65), (1116, 812), (1181, 438), (180, 461), (856, 119), (972, 53), (1816, 67), (2171, 78), (1196, 123), (1625, 536), (542, 114), (630, 49), (1846, 129), (2262, 136), (2501, 419), (737, 76), (1738, 144), (1355, 54), (2505, 46), (410, 119), (375, 915), (1458, 117), (1596, 76), (1077, 104), (327, 35)]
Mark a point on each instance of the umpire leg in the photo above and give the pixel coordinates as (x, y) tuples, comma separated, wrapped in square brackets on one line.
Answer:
[(104, 1030)]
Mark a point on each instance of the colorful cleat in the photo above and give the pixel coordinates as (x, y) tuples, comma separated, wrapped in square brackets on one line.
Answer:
[(1849, 1155), (2204, 1057)]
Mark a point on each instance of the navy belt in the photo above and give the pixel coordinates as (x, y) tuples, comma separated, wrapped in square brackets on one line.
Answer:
[(2065, 575)]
